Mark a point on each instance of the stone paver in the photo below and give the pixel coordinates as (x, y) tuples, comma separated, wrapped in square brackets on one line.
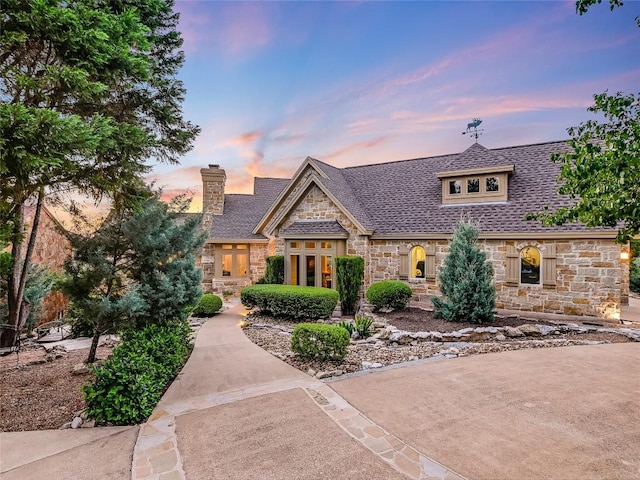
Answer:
[(386, 446)]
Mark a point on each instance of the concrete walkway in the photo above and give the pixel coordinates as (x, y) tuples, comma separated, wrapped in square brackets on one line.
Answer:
[(236, 412)]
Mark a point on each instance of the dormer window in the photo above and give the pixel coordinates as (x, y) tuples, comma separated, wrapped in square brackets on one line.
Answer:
[(477, 185)]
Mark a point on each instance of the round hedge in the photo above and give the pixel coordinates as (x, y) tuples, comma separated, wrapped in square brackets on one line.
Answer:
[(389, 294), (208, 305)]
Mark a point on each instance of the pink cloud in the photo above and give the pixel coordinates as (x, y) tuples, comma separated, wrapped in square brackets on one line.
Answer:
[(234, 28), (352, 148)]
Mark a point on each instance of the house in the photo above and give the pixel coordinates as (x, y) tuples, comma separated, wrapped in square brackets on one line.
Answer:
[(399, 216), (51, 249)]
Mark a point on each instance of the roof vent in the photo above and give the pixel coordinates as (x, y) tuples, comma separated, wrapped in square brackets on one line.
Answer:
[(211, 165)]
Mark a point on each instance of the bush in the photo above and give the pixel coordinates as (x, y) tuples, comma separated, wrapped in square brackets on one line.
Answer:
[(130, 383), (208, 305), (363, 325), (315, 340), (349, 275), (466, 281), (290, 301), (389, 294), (348, 326), (275, 270), (634, 275)]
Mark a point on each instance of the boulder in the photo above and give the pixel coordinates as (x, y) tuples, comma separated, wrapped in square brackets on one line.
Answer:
[(80, 369), (513, 332), (530, 330)]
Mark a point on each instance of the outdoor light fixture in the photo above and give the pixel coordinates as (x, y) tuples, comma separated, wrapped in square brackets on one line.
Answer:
[(624, 254)]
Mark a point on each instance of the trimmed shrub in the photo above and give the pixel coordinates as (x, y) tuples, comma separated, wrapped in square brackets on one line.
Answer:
[(316, 340), (290, 301), (130, 383), (389, 294), (466, 280), (208, 305), (349, 275), (275, 270)]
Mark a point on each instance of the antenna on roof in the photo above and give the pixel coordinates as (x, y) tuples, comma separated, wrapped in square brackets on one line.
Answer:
[(474, 125)]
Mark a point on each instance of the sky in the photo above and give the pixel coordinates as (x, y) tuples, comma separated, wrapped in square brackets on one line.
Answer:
[(354, 83)]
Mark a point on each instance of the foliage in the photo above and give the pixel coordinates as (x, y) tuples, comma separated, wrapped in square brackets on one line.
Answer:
[(634, 275), (88, 93), (324, 342), (348, 326), (290, 301), (466, 280), (363, 325), (275, 270), (389, 294), (138, 268), (208, 305), (583, 5), (130, 383), (349, 275), (601, 172), (40, 281)]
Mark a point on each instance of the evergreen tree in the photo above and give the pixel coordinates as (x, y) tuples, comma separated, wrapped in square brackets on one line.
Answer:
[(88, 92), (466, 280), (137, 269)]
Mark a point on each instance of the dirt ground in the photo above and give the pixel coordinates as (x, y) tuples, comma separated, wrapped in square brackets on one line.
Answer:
[(39, 391)]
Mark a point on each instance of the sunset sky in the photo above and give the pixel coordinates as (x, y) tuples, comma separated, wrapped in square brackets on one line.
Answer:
[(352, 83)]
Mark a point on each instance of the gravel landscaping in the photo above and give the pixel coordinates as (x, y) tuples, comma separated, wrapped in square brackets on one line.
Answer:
[(397, 339)]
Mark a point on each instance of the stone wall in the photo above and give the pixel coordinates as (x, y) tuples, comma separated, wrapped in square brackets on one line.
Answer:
[(257, 267), (590, 278), (52, 249)]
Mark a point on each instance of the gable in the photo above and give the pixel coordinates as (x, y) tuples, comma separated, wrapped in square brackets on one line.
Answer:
[(309, 178)]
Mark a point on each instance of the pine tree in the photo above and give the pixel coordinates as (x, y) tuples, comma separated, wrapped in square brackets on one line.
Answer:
[(466, 280), (137, 269)]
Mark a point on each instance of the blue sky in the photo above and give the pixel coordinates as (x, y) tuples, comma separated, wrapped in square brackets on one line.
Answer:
[(352, 83)]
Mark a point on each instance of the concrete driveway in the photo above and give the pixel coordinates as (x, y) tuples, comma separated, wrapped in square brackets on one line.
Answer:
[(554, 413)]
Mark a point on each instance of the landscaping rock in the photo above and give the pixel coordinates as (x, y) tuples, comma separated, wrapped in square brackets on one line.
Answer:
[(65, 426), (76, 422), (371, 365), (80, 369), (311, 372), (530, 330), (88, 424), (513, 332)]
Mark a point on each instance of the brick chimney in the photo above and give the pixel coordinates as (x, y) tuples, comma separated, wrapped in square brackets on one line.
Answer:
[(213, 181)]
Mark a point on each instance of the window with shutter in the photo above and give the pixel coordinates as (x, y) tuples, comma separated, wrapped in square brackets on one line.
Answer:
[(513, 264), (549, 274), (430, 265), (403, 267)]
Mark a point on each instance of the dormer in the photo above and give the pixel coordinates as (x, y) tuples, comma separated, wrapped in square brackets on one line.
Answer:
[(476, 185)]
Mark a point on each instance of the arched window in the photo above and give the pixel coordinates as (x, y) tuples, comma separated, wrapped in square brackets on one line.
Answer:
[(530, 265), (418, 258)]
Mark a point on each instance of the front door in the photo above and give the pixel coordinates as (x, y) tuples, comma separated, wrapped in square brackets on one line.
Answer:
[(310, 262)]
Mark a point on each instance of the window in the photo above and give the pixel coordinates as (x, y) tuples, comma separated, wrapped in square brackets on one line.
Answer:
[(492, 184), (232, 260), (530, 266), (476, 185), (418, 259), (310, 263)]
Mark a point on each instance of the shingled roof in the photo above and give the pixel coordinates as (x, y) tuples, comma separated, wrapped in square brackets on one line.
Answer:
[(315, 227), (242, 212), (405, 197)]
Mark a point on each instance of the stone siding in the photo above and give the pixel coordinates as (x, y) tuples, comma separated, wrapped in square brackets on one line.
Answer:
[(590, 278), (257, 267), (51, 249)]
